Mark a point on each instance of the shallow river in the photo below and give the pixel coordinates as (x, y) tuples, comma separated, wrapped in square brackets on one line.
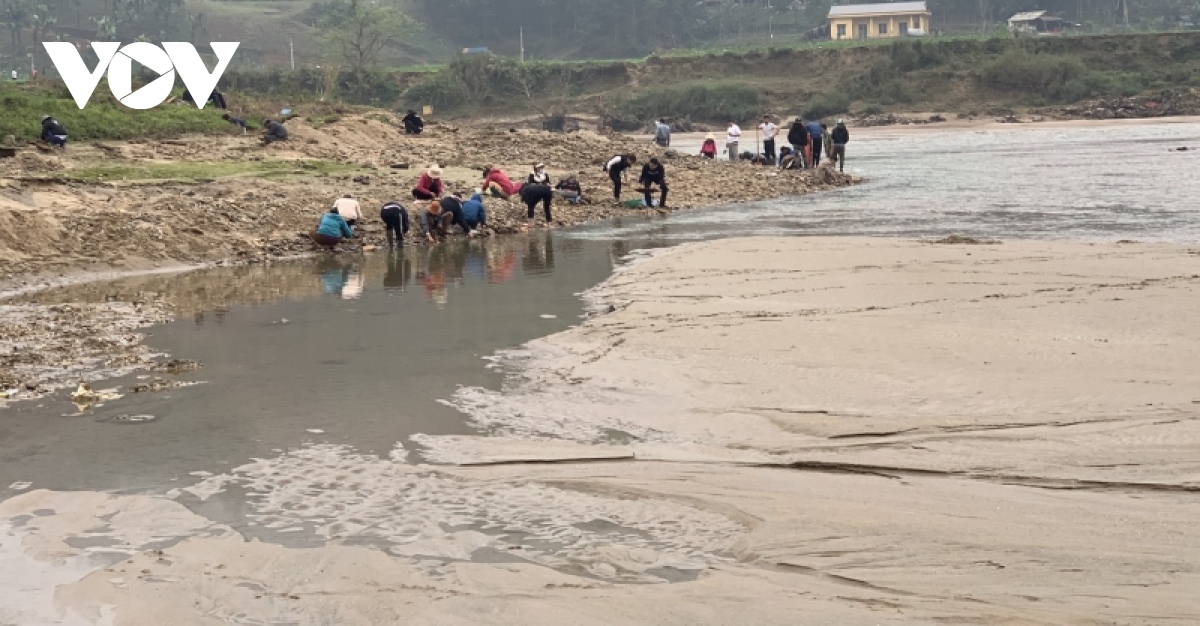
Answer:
[(359, 351)]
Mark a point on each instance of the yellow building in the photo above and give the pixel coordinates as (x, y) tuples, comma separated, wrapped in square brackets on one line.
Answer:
[(872, 21)]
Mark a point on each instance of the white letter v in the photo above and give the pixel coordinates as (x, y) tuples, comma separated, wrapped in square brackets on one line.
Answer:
[(74, 73)]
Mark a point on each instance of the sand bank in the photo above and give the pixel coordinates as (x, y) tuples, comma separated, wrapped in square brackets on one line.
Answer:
[(853, 431)]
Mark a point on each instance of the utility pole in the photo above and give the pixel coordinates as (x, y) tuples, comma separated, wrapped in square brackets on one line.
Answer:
[(292, 54), (522, 44)]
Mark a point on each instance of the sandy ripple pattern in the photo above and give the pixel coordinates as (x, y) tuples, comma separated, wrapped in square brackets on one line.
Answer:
[(416, 511)]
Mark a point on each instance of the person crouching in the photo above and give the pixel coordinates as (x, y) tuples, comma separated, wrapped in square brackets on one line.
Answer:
[(331, 230)]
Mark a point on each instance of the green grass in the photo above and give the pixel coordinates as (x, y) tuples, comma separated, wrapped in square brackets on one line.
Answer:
[(193, 171), (22, 108)]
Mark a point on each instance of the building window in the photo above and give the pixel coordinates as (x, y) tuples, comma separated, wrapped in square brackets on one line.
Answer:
[(916, 22), (883, 29), (903, 28), (841, 31)]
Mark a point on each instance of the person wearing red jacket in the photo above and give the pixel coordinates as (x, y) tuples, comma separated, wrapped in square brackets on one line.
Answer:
[(497, 182), (430, 186)]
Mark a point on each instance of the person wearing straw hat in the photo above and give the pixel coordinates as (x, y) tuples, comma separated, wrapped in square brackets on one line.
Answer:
[(709, 149), (435, 223), (429, 186)]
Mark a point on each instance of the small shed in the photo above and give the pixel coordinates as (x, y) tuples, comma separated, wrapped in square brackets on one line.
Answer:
[(1038, 22)]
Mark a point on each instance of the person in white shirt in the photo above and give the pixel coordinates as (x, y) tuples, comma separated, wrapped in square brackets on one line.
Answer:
[(733, 135), (348, 208), (769, 130)]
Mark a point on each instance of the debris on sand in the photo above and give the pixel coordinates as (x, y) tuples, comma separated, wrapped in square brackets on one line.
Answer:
[(961, 240)]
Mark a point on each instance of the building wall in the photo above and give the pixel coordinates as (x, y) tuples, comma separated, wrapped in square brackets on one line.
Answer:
[(892, 22)]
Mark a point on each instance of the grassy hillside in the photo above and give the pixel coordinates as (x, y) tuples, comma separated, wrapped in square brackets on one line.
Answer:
[(964, 75)]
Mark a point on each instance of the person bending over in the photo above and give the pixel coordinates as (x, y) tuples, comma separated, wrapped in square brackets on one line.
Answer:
[(53, 132), (616, 168), (348, 208), (653, 173), (497, 183), (273, 132), (474, 214), (395, 222), (532, 194)]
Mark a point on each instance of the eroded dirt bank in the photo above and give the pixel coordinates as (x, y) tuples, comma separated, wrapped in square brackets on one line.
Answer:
[(854, 431)]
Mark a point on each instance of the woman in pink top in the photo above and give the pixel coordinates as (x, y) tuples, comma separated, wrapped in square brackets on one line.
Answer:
[(430, 186), (497, 182)]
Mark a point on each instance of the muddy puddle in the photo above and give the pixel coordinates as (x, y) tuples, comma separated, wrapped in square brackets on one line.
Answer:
[(345, 350)]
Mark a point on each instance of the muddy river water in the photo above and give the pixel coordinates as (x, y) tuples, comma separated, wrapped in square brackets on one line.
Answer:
[(362, 351)]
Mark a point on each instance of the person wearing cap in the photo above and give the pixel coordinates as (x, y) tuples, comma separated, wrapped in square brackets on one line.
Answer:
[(497, 183), (709, 149), (840, 137), (274, 131), (429, 186), (53, 132), (331, 230), (348, 208), (395, 222), (769, 130), (538, 176)]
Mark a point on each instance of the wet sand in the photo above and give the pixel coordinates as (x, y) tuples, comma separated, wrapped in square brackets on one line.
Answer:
[(855, 431)]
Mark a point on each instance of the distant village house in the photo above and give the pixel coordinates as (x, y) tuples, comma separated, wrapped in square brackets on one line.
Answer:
[(873, 21), (1038, 22)]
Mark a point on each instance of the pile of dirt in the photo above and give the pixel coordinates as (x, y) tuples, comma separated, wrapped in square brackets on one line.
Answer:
[(1167, 103)]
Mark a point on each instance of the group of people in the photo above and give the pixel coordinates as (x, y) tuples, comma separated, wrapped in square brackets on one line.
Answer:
[(808, 141), (654, 175), (438, 211)]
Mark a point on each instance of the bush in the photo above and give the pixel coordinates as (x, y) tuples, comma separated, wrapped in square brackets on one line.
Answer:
[(103, 118), (1038, 75), (826, 105)]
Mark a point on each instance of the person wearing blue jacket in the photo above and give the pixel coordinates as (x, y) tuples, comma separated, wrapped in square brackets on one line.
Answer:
[(474, 213), (816, 137), (332, 230)]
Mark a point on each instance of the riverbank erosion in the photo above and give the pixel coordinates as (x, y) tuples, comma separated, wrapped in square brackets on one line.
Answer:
[(859, 431), (141, 204)]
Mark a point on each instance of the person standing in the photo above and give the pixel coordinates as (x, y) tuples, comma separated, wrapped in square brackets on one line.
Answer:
[(395, 221), (826, 141), (732, 136), (814, 134), (653, 173), (840, 137), (662, 133), (769, 131), (429, 186), (616, 168), (798, 137), (348, 208)]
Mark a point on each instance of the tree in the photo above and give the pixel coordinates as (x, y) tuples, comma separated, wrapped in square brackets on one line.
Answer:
[(359, 30)]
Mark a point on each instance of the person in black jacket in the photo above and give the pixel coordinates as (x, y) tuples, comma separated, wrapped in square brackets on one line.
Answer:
[(616, 168), (274, 132), (53, 132), (840, 137), (532, 194), (798, 137), (653, 173), (395, 221), (413, 124)]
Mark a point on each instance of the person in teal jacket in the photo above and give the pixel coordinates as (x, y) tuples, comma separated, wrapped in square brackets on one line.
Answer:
[(332, 230)]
